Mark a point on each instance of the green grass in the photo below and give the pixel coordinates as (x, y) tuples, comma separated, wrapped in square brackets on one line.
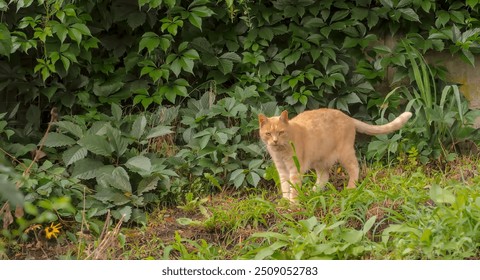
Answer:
[(395, 213)]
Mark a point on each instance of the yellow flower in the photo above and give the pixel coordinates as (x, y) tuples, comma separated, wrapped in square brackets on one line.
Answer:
[(52, 230)]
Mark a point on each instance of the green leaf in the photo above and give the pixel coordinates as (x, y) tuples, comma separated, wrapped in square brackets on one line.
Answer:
[(136, 19), (60, 30), (23, 4), (170, 95), (457, 17), (195, 20), (353, 98), (125, 212), (409, 14), (65, 62), (202, 11), (10, 193), (203, 142), (138, 127), (270, 250), (139, 163), (472, 3), (97, 145), (439, 195), (292, 58), (121, 180), (231, 56), (75, 35), (352, 236), (147, 184), (191, 54), (253, 178), (107, 88), (86, 168), (90, 43), (180, 90), (237, 177), (221, 137), (187, 222), (82, 28), (107, 195), (176, 67), (339, 15), (387, 3), (349, 42), (266, 33), (209, 59), (202, 45), (187, 64), (314, 23), (309, 223), (226, 66), (116, 111), (117, 141), (74, 154), (369, 224), (277, 67), (158, 131), (70, 127), (382, 49), (5, 40), (468, 56), (165, 42), (170, 3), (443, 17), (150, 41), (55, 139)]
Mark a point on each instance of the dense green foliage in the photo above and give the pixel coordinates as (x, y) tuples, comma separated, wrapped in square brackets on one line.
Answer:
[(159, 98)]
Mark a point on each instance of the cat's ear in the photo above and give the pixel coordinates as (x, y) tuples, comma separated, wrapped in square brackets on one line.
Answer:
[(262, 119), (284, 116)]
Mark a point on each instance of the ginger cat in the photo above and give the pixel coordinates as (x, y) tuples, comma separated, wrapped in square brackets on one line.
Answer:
[(321, 138)]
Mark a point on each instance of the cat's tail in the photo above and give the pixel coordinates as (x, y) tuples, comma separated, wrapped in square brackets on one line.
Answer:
[(392, 126)]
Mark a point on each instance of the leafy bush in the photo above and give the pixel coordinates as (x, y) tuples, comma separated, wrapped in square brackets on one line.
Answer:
[(118, 156)]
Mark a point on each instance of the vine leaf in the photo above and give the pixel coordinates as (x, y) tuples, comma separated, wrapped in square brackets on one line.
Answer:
[(74, 154), (55, 139)]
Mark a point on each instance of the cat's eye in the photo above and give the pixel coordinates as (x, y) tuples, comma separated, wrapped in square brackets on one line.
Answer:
[(281, 132), (268, 134)]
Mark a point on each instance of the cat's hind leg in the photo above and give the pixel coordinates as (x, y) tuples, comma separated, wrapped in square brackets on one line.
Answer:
[(322, 178), (350, 163)]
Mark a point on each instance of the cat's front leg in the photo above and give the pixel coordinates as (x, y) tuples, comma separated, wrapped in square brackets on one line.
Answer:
[(294, 182), (284, 176), (288, 180), (289, 176), (285, 184)]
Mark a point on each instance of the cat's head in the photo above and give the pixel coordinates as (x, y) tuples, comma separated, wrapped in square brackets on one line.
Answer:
[(274, 131)]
